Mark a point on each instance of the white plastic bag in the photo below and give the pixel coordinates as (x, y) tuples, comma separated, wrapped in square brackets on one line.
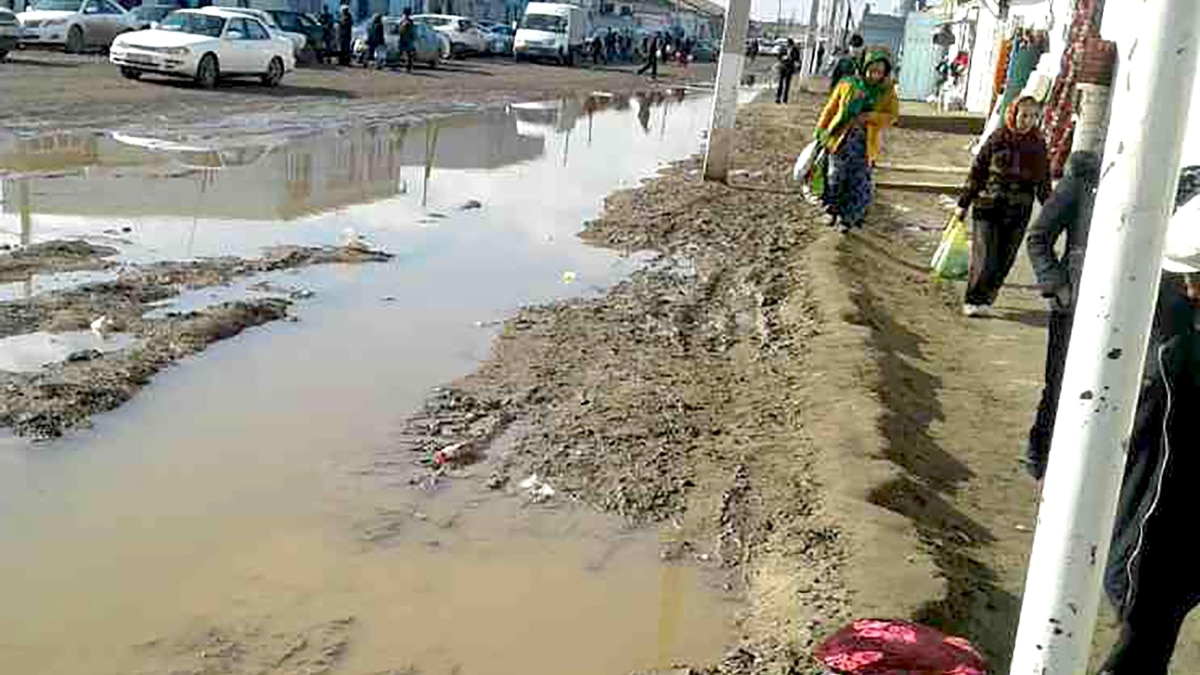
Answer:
[(804, 162)]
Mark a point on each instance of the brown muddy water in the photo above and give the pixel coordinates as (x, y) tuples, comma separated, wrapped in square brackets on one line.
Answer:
[(231, 518)]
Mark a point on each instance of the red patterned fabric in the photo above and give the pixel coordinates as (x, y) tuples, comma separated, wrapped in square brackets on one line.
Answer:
[(894, 647), (1059, 127)]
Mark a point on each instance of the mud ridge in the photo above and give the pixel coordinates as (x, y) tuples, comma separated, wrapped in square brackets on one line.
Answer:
[(64, 395)]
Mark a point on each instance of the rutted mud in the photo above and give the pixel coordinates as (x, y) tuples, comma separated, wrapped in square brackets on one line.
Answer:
[(64, 395), (675, 398)]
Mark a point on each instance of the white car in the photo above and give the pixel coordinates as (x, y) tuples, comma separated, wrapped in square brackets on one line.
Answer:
[(299, 40), (464, 34), (205, 45), (74, 24)]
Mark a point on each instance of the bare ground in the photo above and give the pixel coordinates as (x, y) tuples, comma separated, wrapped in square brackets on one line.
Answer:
[(808, 411)]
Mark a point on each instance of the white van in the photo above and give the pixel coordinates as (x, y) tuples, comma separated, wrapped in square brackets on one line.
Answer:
[(550, 30)]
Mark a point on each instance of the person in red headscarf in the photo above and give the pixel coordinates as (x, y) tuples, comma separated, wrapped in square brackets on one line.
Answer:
[(1011, 170)]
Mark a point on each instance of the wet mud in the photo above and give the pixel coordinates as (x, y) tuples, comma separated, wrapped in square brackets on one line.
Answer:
[(674, 399), (64, 395)]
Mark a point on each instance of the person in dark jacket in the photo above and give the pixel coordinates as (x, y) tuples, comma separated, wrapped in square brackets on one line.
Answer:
[(345, 32), (1150, 574), (850, 64), (327, 35), (652, 50), (1011, 170), (1068, 212), (408, 40), (375, 43), (788, 62)]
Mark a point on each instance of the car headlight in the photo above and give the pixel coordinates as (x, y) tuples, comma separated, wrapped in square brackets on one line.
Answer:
[(54, 22), (178, 51)]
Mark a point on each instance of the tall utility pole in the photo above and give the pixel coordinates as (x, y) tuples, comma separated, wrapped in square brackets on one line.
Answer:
[(729, 73), (1108, 341), (813, 31)]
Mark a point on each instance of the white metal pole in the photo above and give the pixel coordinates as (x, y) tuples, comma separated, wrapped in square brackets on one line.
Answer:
[(729, 74), (1108, 343)]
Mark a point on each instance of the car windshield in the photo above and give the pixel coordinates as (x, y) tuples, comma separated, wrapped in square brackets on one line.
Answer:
[(59, 5), (550, 24), (196, 24), (153, 12)]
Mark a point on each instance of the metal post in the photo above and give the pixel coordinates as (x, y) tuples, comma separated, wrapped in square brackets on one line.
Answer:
[(729, 73), (1108, 341), (811, 59)]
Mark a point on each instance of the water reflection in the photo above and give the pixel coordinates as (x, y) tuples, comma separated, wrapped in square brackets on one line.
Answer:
[(295, 178)]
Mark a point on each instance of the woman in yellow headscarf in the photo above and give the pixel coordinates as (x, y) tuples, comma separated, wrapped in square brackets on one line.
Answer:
[(851, 128)]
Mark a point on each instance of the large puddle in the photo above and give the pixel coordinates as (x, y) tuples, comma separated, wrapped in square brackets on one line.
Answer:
[(228, 519)]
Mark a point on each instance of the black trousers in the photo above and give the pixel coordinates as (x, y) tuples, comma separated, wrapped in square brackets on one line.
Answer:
[(785, 87), (1059, 336), (1148, 635), (995, 240), (650, 65)]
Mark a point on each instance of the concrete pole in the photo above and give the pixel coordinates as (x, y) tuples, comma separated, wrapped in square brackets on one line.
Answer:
[(813, 32), (1108, 341), (729, 74)]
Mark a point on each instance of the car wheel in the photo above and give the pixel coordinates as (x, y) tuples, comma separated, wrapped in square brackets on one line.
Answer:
[(518, 58), (274, 72), (3, 54), (75, 40), (131, 73), (208, 72)]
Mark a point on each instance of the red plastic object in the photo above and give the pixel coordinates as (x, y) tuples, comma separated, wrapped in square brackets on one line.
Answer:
[(894, 647)]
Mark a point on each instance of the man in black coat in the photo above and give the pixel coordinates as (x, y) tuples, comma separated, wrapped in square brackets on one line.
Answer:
[(1151, 574), (789, 60), (1067, 212), (849, 64), (345, 32)]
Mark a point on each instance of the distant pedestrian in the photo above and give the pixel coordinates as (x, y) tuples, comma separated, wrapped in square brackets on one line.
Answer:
[(752, 50), (849, 65), (328, 35), (596, 46), (788, 62), (345, 36), (851, 129), (651, 64), (1149, 575), (610, 45), (408, 40), (1068, 212), (376, 52), (1010, 172)]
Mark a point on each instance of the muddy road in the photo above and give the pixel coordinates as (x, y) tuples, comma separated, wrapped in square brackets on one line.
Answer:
[(45, 91), (256, 507)]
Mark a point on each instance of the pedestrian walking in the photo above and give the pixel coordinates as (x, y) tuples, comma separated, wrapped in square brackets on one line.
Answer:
[(1150, 576), (752, 50), (408, 40), (375, 43), (345, 36), (596, 47), (849, 65), (610, 46), (851, 130), (1011, 170), (651, 64), (788, 61), (1067, 214), (328, 35)]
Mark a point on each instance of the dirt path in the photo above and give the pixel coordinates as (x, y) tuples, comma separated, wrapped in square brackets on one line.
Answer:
[(46, 91), (807, 412)]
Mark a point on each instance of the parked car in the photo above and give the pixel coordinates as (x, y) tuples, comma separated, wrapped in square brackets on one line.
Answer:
[(550, 30), (706, 51), (74, 24), (146, 16), (10, 32), (466, 37), (298, 23), (430, 45), (206, 45), (500, 39), (299, 40)]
